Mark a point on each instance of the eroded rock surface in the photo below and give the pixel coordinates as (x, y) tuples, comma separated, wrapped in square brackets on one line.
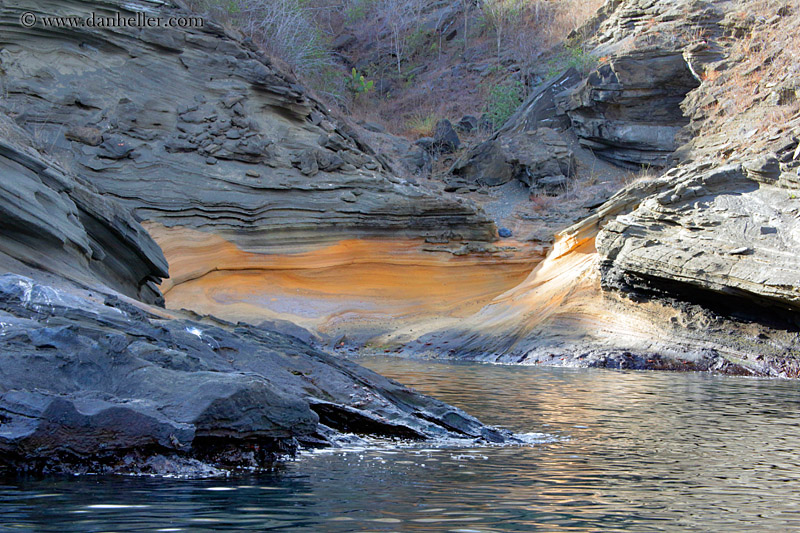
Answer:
[(628, 110), (187, 131), (52, 220), (694, 268), (539, 158), (195, 127)]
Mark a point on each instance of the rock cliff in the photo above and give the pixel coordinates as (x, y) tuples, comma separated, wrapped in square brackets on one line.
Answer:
[(55, 222), (268, 207), (696, 267)]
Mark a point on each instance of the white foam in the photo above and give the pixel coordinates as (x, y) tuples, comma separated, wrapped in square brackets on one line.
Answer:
[(115, 506)]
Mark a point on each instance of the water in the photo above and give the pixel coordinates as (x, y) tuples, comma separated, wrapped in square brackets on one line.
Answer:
[(624, 451)]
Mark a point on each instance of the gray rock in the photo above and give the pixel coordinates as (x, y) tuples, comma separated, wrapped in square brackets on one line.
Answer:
[(628, 110), (374, 127), (702, 223), (468, 123), (765, 168), (114, 147), (55, 221), (540, 159), (426, 143), (201, 88)]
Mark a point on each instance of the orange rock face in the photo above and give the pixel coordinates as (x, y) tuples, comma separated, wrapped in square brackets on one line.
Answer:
[(359, 287)]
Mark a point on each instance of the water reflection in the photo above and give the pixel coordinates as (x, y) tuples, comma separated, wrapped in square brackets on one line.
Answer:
[(632, 451)]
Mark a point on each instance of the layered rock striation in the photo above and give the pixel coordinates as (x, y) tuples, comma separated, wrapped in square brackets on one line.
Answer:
[(194, 127), (56, 222), (692, 268)]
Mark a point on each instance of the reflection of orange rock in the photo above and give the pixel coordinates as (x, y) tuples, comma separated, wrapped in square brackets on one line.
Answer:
[(373, 284)]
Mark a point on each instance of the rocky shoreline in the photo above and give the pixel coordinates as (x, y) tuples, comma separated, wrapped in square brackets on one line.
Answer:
[(135, 209), (93, 383)]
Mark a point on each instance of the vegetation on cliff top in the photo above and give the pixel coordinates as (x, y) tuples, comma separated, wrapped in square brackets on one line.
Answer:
[(426, 60)]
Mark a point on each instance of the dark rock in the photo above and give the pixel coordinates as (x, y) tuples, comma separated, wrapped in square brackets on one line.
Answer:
[(308, 162), (468, 123), (552, 183), (504, 233), (108, 387), (540, 159), (114, 147), (628, 110), (85, 135), (426, 143), (374, 127), (417, 159), (445, 138)]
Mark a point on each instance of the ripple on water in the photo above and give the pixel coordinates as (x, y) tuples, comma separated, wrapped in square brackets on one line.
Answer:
[(602, 450)]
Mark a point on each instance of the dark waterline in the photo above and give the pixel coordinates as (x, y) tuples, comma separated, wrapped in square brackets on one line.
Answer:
[(637, 451)]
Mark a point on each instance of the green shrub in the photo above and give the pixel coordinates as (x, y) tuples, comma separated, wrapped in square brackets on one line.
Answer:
[(572, 57), (503, 100), (358, 10), (417, 42), (357, 84), (421, 125)]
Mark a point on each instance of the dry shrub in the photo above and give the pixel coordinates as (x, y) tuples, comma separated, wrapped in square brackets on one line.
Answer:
[(533, 26), (541, 202), (759, 89), (421, 126), (286, 29)]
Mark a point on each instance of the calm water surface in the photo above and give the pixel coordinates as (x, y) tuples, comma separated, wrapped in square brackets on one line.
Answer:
[(622, 451)]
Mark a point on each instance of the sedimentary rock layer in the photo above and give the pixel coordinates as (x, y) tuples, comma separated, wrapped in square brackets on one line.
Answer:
[(696, 268), (357, 288), (197, 133), (193, 127)]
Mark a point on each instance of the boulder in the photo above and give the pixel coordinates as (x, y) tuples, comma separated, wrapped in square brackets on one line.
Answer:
[(445, 138), (541, 159), (628, 110), (467, 124)]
